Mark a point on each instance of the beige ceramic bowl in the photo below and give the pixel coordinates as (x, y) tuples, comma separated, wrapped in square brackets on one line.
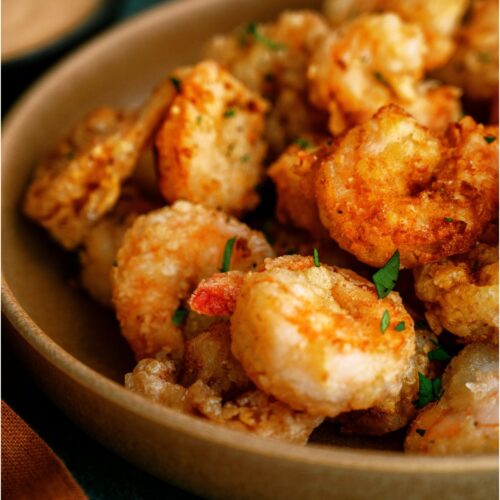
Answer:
[(73, 347)]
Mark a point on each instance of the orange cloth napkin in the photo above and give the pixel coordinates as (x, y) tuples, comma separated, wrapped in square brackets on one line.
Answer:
[(30, 469)]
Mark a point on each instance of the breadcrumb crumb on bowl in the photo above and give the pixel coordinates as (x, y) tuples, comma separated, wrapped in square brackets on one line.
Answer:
[(73, 348)]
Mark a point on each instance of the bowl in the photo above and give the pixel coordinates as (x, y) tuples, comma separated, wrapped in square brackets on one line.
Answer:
[(73, 347)]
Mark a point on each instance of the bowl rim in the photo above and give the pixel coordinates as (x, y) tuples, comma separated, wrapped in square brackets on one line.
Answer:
[(312, 454)]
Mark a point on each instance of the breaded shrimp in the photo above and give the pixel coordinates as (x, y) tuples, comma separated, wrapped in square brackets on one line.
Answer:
[(210, 148), (212, 373), (465, 419), (293, 177), (272, 59), (381, 420), (312, 337), (101, 244), (368, 63), (80, 180), (474, 64), (461, 294), (439, 19), (390, 184), (163, 257)]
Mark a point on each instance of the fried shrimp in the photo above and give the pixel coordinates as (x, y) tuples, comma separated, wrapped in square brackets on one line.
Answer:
[(390, 184), (465, 419), (438, 19), (272, 59), (163, 257), (377, 421), (210, 148), (293, 177), (211, 374), (312, 337), (101, 244), (461, 294), (474, 64), (368, 63), (81, 178)]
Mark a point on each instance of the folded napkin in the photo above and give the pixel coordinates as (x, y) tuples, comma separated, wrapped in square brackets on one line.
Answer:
[(30, 469)]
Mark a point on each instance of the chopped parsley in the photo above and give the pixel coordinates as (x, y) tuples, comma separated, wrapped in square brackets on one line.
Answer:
[(199, 119), (226, 259), (428, 391), (316, 257), (179, 316), (303, 143), (229, 113), (245, 158), (448, 219), (252, 29), (380, 77), (438, 354), (484, 57), (400, 326), (385, 278), (420, 432), (421, 325), (385, 321), (176, 83), (489, 138)]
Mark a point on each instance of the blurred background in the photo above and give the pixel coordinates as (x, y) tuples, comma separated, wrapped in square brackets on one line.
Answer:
[(29, 49)]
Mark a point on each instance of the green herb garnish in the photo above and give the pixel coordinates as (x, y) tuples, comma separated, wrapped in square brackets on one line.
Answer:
[(303, 143), (447, 219), (245, 158), (316, 257), (385, 321), (229, 113), (385, 278), (380, 77), (438, 354), (429, 390), (484, 57), (252, 29), (176, 83), (421, 325), (226, 259), (179, 316), (400, 326), (489, 138), (199, 119), (420, 432)]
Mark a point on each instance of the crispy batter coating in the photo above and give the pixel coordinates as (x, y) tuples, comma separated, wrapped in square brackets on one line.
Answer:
[(465, 419), (311, 336), (212, 372), (370, 62), (210, 148), (438, 19), (81, 178), (101, 244), (390, 184), (272, 59), (461, 294), (293, 177), (393, 416), (474, 64), (163, 257)]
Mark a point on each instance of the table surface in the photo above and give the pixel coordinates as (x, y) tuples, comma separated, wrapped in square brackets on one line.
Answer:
[(102, 474)]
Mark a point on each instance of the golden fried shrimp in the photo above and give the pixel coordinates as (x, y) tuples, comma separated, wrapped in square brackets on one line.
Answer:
[(311, 336), (438, 19), (465, 419), (101, 244), (474, 64), (81, 178), (371, 62), (394, 415), (272, 59), (211, 373), (210, 148), (390, 184), (163, 257), (293, 177), (461, 294)]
